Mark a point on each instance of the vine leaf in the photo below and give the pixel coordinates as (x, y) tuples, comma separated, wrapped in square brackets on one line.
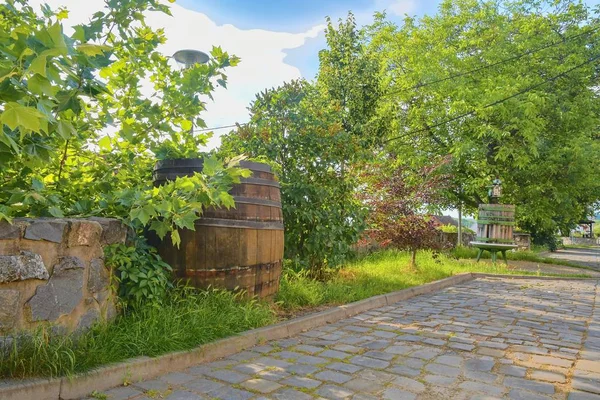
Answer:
[(16, 115)]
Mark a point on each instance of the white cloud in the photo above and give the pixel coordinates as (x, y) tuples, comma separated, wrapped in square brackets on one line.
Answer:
[(397, 7), (262, 54)]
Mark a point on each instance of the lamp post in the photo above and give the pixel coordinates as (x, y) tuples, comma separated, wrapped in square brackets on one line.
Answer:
[(188, 58)]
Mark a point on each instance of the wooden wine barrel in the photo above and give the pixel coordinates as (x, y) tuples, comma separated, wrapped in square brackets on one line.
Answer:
[(169, 170), (236, 249), (495, 223)]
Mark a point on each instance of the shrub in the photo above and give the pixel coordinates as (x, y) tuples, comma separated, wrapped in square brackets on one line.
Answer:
[(398, 201), (454, 229), (142, 277)]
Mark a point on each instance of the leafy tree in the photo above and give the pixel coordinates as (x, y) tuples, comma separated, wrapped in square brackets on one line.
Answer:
[(295, 128), (349, 77), (398, 200), (80, 135), (508, 89)]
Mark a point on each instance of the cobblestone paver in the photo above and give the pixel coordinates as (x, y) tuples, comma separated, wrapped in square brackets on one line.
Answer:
[(589, 257), (485, 339)]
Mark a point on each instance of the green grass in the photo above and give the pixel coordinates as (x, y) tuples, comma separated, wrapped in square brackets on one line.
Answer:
[(187, 320), (190, 318), (471, 253), (379, 273)]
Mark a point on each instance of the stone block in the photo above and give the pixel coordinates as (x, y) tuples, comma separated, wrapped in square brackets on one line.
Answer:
[(261, 385), (46, 229), (11, 231), (113, 231), (588, 365), (26, 265), (9, 308), (548, 376), (39, 389), (61, 294), (88, 319), (99, 276), (394, 393), (84, 233)]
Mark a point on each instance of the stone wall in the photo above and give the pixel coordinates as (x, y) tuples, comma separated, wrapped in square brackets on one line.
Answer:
[(523, 240), (52, 271), (568, 241)]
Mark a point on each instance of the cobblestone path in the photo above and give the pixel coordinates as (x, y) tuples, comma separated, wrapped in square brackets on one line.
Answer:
[(589, 257), (485, 339)]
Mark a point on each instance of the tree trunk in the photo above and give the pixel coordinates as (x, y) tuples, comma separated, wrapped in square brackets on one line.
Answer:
[(413, 258)]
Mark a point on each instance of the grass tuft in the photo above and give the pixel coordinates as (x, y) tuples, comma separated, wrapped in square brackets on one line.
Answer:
[(471, 253), (189, 318), (378, 273)]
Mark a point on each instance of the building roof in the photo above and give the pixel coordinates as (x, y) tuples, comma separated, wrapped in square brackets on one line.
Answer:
[(446, 220)]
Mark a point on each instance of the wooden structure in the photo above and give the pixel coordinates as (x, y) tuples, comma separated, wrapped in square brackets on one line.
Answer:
[(588, 231), (237, 249), (495, 225)]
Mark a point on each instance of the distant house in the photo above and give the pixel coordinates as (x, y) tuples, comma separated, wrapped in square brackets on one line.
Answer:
[(445, 220)]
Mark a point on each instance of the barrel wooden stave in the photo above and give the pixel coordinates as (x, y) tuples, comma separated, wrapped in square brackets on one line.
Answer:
[(236, 249)]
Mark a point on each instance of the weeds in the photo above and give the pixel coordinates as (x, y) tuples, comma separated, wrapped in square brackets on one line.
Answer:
[(187, 319)]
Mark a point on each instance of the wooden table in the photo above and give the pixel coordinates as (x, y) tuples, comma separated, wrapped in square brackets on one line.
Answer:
[(493, 248)]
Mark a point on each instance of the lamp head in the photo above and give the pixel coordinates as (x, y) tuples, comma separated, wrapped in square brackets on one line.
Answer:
[(190, 58)]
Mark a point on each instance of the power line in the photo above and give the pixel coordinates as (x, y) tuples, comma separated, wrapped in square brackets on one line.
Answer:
[(518, 56), (461, 74), (495, 103), (219, 127)]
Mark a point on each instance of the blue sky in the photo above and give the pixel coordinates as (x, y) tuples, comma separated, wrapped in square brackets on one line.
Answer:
[(297, 16)]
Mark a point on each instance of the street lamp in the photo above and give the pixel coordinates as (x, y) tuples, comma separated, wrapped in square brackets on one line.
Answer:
[(188, 58)]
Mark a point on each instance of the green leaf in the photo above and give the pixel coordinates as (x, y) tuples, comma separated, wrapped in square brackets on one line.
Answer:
[(65, 129), (55, 32), (79, 33), (62, 14), (187, 220), (38, 65), (186, 125), (56, 212), (37, 185), (160, 227), (226, 199), (16, 115), (175, 239), (143, 214), (9, 141), (211, 165), (37, 84), (105, 144), (90, 49)]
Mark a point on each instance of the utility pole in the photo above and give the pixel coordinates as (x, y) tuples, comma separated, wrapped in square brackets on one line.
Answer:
[(459, 242)]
